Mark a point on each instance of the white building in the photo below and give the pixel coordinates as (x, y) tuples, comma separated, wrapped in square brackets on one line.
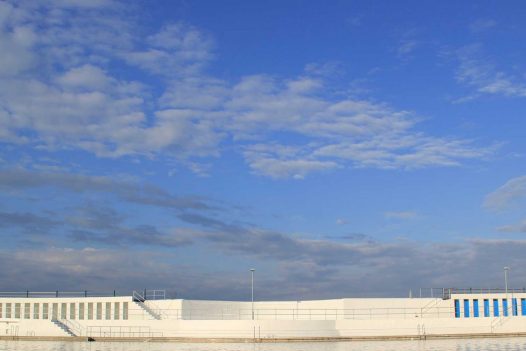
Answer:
[(456, 313)]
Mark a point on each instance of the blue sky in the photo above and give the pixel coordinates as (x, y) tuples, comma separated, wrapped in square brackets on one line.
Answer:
[(341, 148)]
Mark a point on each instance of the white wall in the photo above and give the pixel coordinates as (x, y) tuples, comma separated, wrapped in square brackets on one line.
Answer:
[(276, 319)]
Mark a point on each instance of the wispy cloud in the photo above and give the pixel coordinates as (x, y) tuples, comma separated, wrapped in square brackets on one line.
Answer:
[(80, 102), (513, 228), (482, 25), (506, 195), (28, 222), (124, 189), (400, 214), (406, 47), (471, 263), (484, 77), (342, 221)]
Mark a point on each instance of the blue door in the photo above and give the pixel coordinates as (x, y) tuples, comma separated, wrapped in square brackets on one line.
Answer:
[(496, 308), (466, 308), (457, 309)]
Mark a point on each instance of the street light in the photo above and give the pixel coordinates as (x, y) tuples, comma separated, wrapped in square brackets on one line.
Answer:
[(252, 285)]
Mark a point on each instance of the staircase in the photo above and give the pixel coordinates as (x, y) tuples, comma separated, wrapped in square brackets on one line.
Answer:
[(64, 327), (427, 309), (139, 300)]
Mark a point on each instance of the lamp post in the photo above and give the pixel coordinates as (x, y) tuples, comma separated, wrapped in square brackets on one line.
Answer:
[(252, 288), (506, 269)]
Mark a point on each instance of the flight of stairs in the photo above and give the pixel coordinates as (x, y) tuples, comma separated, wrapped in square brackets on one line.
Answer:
[(64, 327)]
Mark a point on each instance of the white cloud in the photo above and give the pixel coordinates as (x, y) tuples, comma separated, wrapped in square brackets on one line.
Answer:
[(482, 25), (176, 50), (341, 221), (508, 194), (16, 42), (400, 214), (406, 48), (484, 77), (87, 77), (78, 101), (513, 228)]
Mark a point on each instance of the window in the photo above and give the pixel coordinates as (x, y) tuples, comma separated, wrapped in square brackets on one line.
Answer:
[(116, 310), (27, 310), (81, 310), (486, 308), (514, 309), (17, 310), (523, 307), (1, 310), (72, 311), (54, 312), (90, 310), (505, 307), (99, 310), (108, 310), (7, 310), (124, 310), (64, 311), (36, 311), (45, 311)]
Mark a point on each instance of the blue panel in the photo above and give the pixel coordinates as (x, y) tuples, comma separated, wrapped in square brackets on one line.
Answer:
[(466, 308), (523, 307), (457, 309), (505, 307), (514, 309), (486, 308), (495, 308), (475, 308)]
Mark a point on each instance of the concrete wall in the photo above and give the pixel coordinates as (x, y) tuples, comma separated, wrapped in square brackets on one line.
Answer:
[(374, 317)]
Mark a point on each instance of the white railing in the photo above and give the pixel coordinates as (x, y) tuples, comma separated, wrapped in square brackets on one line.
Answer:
[(122, 332), (433, 311), (150, 307), (74, 326)]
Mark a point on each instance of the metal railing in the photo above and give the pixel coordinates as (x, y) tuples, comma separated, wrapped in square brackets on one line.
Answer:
[(486, 290), (145, 294), (430, 293), (432, 311), (122, 331), (58, 293)]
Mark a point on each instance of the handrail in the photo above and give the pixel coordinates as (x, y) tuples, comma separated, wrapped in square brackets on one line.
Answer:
[(138, 296), (429, 306), (504, 317)]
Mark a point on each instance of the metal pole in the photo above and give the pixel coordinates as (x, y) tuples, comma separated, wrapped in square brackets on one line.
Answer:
[(506, 269), (252, 286)]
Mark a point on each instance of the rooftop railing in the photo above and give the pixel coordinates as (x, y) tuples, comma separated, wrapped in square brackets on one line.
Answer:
[(486, 290), (445, 293), (146, 294)]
